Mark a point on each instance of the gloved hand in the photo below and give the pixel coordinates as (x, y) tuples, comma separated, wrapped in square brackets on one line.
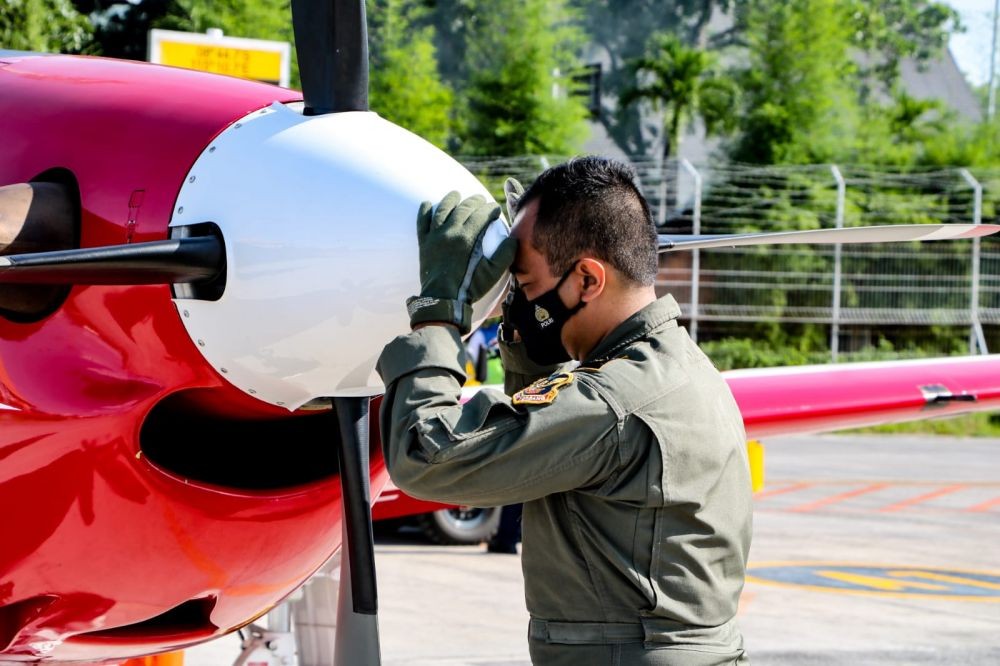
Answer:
[(513, 191), (454, 273)]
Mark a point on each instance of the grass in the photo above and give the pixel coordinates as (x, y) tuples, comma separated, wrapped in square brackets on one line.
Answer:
[(979, 424)]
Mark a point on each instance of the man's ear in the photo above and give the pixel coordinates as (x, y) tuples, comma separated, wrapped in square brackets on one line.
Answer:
[(594, 277)]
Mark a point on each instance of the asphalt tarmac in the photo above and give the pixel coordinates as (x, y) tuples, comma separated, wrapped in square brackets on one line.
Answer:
[(867, 550)]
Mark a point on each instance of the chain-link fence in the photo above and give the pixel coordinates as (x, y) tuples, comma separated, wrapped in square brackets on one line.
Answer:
[(848, 288)]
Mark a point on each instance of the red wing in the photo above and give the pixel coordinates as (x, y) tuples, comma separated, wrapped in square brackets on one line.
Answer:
[(817, 398)]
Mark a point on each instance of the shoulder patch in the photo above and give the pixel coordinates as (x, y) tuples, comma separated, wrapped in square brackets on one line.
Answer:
[(544, 391)]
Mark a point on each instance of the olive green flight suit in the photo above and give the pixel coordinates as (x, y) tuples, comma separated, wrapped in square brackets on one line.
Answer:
[(634, 475)]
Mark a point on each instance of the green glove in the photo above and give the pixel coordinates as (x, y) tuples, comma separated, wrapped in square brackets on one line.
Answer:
[(513, 190), (454, 273)]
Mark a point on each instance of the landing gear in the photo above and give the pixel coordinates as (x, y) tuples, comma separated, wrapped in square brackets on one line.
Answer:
[(460, 526), (274, 646)]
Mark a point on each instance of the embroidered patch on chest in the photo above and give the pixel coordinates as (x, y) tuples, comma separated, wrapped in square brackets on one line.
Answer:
[(543, 391)]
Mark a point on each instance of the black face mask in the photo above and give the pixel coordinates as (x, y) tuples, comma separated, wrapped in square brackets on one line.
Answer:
[(540, 322)]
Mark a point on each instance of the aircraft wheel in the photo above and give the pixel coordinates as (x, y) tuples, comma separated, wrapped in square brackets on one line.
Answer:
[(460, 526)]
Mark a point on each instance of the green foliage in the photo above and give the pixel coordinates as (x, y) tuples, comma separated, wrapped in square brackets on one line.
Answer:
[(120, 28), (979, 424), (260, 19), (514, 53), (965, 144), (48, 26), (797, 346), (891, 30), (620, 30), (806, 101), (681, 84), (798, 83), (735, 353), (898, 134), (405, 86)]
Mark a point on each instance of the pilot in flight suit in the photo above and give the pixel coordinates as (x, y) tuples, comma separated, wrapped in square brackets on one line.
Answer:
[(631, 466)]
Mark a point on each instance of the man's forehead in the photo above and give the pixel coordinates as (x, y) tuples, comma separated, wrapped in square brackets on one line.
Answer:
[(522, 230), (524, 221), (528, 259)]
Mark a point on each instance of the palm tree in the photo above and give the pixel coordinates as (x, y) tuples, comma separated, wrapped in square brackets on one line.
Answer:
[(681, 84)]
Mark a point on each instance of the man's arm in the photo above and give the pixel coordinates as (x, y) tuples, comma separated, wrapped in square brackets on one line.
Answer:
[(488, 451)]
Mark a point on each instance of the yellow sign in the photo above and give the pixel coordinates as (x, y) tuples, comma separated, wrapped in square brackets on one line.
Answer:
[(255, 59)]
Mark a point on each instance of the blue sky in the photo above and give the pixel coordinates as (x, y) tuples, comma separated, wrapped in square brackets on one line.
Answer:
[(972, 48)]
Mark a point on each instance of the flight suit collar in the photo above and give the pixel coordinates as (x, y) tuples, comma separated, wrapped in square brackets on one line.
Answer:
[(660, 313)]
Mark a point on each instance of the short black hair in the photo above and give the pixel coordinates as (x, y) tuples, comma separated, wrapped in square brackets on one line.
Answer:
[(592, 205)]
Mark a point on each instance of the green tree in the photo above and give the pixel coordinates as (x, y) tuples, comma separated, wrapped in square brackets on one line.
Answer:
[(43, 25), (619, 31), (681, 84), (261, 19), (901, 134), (405, 85), (517, 55), (886, 32), (121, 28), (971, 145), (799, 83), (891, 30)]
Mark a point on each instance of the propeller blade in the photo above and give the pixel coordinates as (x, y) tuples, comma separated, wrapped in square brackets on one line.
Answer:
[(357, 640), (173, 261), (892, 233), (331, 39)]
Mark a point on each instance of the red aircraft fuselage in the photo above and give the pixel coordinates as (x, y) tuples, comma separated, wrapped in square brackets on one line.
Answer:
[(121, 541)]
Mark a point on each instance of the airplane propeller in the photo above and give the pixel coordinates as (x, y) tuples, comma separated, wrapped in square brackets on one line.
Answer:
[(331, 39), (879, 234), (202, 258)]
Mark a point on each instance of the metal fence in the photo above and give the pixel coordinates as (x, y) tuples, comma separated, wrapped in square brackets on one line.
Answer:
[(850, 288)]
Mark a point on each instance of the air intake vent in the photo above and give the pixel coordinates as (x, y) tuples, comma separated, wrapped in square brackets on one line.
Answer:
[(182, 437), (190, 619)]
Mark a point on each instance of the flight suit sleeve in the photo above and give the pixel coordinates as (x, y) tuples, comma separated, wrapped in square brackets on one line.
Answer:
[(488, 451)]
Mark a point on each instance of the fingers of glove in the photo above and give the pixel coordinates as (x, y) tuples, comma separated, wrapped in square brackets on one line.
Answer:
[(513, 191), (480, 219), (490, 211), (513, 187), (458, 220), (424, 216), (445, 208), (491, 270), (503, 256)]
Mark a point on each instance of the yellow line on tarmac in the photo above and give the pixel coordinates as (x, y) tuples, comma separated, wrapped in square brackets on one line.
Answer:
[(879, 583), (944, 578)]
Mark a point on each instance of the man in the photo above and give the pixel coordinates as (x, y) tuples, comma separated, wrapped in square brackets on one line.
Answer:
[(632, 466)]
